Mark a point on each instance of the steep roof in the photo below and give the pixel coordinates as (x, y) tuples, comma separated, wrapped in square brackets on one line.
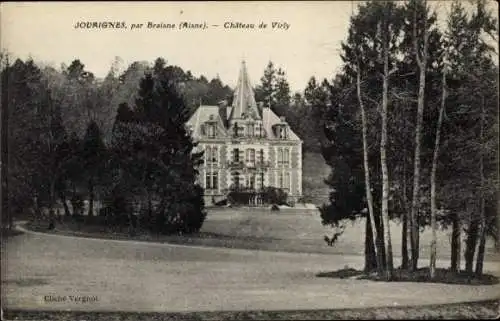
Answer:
[(269, 119), (203, 114), (244, 97)]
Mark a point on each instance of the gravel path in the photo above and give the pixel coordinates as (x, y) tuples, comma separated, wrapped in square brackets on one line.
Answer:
[(135, 276)]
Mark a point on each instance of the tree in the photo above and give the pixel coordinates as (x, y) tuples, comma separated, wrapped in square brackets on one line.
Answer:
[(317, 98), (158, 153), (432, 264), (21, 89), (265, 92), (282, 95), (470, 134), (420, 46), (93, 156)]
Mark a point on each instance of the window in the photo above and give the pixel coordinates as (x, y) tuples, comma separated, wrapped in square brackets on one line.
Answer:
[(287, 181), (280, 180), (236, 129), (211, 155), (261, 156), (236, 155), (215, 182), (236, 179), (212, 180), (260, 131), (250, 130), (286, 156), (215, 154), (251, 181), (208, 152), (211, 130), (251, 156), (261, 181), (283, 157), (282, 132)]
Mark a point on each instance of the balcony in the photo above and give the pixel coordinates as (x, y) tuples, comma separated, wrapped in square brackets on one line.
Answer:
[(242, 164), (263, 164)]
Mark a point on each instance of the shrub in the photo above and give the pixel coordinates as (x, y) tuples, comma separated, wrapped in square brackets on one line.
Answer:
[(275, 207), (273, 195)]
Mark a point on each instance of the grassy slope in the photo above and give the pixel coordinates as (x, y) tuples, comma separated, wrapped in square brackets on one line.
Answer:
[(314, 172)]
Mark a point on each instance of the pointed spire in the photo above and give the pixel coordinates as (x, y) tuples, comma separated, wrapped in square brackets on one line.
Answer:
[(244, 97)]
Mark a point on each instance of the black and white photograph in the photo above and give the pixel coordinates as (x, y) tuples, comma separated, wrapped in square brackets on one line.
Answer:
[(249, 160)]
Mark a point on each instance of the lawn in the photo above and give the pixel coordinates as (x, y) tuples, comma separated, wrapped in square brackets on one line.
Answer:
[(290, 230)]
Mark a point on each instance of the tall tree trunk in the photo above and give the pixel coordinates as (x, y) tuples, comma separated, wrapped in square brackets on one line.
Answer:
[(471, 242), (383, 160), (379, 243), (432, 265), (405, 261), (91, 198), (482, 215), (404, 243), (456, 243), (52, 196), (370, 256), (422, 66), (366, 166)]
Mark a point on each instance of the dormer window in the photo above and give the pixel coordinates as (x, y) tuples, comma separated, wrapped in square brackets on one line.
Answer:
[(211, 130), (236, 130), (281, 131), (250, 130), (260, 130), (211, 127)]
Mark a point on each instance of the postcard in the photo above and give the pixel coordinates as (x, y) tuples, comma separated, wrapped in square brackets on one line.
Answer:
[(249, 160)]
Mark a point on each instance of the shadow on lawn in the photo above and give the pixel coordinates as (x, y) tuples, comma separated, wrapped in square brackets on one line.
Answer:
[(6, 233), (444, 276)]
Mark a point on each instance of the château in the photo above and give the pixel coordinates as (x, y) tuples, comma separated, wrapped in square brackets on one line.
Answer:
[(246, 146)]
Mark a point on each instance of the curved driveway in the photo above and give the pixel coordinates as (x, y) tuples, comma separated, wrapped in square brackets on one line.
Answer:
[(138, 276)]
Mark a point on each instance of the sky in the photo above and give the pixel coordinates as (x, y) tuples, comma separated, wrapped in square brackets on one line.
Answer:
[(309, 47)]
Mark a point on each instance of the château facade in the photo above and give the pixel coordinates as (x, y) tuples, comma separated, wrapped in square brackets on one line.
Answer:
[(246, 146)]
